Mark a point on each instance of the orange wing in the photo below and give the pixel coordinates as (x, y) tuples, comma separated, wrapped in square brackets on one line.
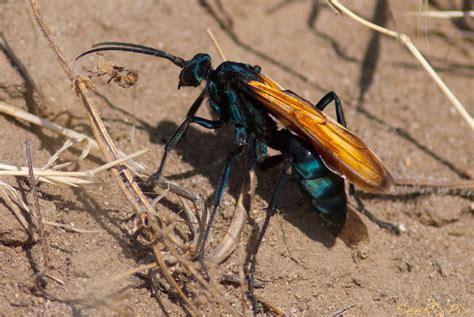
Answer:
[(341, 151)]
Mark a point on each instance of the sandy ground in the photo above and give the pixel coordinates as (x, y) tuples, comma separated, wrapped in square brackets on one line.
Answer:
[(390, 102)]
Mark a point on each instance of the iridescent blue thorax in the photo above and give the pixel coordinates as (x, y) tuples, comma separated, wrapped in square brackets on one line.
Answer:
[(229, 102)]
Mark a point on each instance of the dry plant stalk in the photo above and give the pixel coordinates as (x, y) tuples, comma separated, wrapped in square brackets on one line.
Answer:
[(72, 179), (216, 44), (442, 14), (36, 205), (12, 198), (405, 40), (72, 135), (123, 176), (231, 238)]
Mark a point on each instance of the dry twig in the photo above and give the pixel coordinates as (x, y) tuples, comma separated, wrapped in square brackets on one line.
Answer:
[(435, 183), (342, 311), (74, 136), (442, 14), (12, 198), (72, 179), (36, 205), (216, 44)]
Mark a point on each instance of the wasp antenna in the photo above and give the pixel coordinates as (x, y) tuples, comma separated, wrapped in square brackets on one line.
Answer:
[(143, 47), (140, 49), (124, 44)]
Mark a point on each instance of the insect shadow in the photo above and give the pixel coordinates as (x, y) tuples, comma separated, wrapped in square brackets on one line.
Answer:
[(206, 152)]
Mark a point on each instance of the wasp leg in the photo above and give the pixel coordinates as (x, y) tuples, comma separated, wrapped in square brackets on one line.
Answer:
[(326, 100), (259, 150), (178, 134), (393, 228), (270, 212), (220, 191), (176, 137), (322, 104), (196, 104), (271, 162)]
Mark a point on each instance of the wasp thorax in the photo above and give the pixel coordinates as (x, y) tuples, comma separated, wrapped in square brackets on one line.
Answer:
[(195, 70)]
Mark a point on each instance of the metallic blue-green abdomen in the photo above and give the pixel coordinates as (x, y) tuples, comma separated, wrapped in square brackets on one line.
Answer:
[(325, 187)]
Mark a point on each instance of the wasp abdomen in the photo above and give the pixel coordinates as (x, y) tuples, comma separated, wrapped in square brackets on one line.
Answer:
[(325, 187)]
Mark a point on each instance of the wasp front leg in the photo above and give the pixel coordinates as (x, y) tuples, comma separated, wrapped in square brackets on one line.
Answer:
[(179, 132)]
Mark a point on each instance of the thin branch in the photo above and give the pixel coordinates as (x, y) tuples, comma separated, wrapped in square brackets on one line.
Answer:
[(46, 35), (442, 14), (68, 227), (75, 136), (172, 281), (12, 198), (36, 205), (62, 177), (342, 311), (20, 114), (216, 44)]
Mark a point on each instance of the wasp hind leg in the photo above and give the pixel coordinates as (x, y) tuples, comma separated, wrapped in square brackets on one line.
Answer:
[(321, 105), (326, 100)]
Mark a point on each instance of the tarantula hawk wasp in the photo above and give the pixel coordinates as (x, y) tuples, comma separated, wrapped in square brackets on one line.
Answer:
[(320, 151)]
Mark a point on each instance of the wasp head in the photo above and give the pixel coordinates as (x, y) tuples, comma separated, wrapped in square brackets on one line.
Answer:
[(195, 70)]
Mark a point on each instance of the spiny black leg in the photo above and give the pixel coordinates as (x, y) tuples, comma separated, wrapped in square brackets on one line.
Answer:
[(379, 222), (326, 100), (179, 132), (352, 190), (360, 205), (220, 191), (259, 149), (196, 104), (176, 137), (270, 212), (322, 104)]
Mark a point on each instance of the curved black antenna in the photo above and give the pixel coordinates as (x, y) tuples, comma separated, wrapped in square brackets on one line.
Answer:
[(178, 61), (125, 44)]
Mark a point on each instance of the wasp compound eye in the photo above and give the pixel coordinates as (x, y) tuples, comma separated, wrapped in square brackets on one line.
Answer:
[(195, 70)]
